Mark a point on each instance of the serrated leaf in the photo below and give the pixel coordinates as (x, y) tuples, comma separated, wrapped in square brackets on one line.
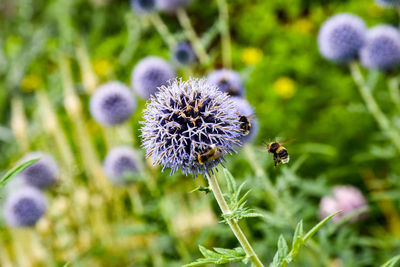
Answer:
[(298, 235), (319, 225), (221, 256), (201, 189), (282, 248), (243, 198), (392, 262), (230, 181), (10, 174), (207, 253), (229, 252), (275, 260)]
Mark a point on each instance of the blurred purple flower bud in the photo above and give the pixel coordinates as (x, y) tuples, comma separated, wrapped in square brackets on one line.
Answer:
[(149, 74), (183, 54), (24, 207), (388, 3), (112, 103), (143, 6), (341, 37), (171, 6), (228, 81), (382, 49)]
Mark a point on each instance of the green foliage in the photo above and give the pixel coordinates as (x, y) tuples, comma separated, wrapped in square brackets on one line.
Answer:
[(219, 256), (392, 262), (14, 171)]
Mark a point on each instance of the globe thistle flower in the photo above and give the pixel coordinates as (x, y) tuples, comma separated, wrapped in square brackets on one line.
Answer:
[(388, 3), (244, 108), (149, 74), (341, 37), (143, 6), (183, 54), (112, 103), (228, 81), (345, 198), (171, 6), (186, 119), (120, 163), (24, 207), (382, 48), (41, 174)]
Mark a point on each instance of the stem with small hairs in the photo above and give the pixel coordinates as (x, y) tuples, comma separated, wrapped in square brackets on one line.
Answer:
[(233, 224)]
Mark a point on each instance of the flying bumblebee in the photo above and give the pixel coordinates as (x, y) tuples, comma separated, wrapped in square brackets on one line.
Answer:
[(280, 153), (210, 154), (245, 125)]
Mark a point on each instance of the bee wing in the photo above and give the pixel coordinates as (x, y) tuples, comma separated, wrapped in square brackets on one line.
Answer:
[(252, 116), (284, 141)]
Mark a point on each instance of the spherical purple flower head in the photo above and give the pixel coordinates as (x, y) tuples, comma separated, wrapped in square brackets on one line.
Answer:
[(143, 6), (341, 37), (171, 6), (382, 48), (24, 207), (345, 198), (120, 163), (112, 103), (149, 74), (244, 108), (41, 174), (388, 3), (188, 118), (228, 81), (183, 54)]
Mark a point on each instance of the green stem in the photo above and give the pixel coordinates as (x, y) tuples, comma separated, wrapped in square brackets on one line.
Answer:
[(212, 180), (382, 121), (162, 30), (225, 34), (394, 92), (198, 47)]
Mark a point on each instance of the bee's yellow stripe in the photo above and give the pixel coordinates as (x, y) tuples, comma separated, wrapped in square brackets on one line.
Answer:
[(280, 149)]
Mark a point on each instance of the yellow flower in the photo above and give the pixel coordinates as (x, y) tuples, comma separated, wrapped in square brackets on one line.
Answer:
[(285, 87), (102, 67), (251, 55), (303, 26), (31, 82)]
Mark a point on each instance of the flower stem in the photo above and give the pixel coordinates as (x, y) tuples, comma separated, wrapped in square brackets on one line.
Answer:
[(225, 35), (212, 180), (192, 36), (394, 92), (162, 29), (372, 106)]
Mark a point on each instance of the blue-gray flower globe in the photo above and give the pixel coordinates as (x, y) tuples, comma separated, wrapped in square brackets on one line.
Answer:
[(112, 103), (41, 174), (149, 74), (24, 207), (120, 163), (388, 3), (185, 119), (228, 81), (143, 6), (171, 6), (183, 54), (382, 49), (341, 37)]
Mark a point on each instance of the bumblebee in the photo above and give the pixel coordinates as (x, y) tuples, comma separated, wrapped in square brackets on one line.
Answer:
[(210, 154), (245, 125), (280, 153)]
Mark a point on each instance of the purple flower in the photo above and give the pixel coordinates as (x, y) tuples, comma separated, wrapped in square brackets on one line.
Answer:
[(228, 81), (183, 54), (171, 6), (112, 103), (341, 37), (345, 198), (382, 48), (120, 164), (24, 207), (186, 119), (388, 3), (41, 174), (244, 108), (143, 6), (149, 74)]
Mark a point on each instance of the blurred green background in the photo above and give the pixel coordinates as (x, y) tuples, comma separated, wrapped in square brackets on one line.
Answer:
[(54, 53)]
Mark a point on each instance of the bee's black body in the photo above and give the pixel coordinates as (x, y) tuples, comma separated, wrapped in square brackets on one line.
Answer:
[(245, 125), (280, 153)]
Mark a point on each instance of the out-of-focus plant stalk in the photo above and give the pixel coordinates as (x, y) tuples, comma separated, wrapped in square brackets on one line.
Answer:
[(162, 30), (365, 92), (198, 47), (250, 253), (393, 84), (225, 34), (74, 109), (89, 78), (19, 124)]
